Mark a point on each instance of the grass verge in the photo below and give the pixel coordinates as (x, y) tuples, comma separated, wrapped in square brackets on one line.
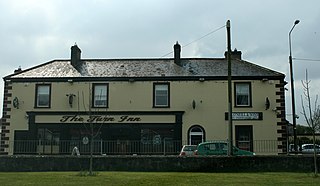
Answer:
[(156, 178)]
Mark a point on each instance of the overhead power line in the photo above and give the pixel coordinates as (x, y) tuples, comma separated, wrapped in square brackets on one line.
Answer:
[(213, 31), (304, 59), (204, 36)]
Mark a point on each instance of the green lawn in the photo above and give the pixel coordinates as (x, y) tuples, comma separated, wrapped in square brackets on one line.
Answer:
[(159, 178)]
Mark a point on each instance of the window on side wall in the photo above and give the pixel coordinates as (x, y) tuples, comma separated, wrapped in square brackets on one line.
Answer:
[(43, 96), (100, 96), (161, 95), (243, 95)]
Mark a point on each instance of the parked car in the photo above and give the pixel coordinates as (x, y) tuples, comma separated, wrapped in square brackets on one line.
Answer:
[(188, 150), (219, 148), (308, 148)]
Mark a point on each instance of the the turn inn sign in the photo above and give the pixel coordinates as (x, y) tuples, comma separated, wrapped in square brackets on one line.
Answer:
[(103, 119)]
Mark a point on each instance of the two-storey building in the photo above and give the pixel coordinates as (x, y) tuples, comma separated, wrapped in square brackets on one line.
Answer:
[(141, 106)]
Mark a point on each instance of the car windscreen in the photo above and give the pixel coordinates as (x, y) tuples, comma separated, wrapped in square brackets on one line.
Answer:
[(190, 148)]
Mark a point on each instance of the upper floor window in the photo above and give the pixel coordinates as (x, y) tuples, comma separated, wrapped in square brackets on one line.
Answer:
[(242, 94), (100, 95), (161, 95), (43, 96)]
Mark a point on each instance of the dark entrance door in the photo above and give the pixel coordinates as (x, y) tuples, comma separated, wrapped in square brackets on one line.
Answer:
[(196, 139), (244, 139), (196, 135)]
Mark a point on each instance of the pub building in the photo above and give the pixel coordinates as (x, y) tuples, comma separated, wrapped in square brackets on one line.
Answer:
[(141, 106)]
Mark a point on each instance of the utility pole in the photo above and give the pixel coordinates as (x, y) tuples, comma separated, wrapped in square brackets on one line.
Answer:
[(230, 134)]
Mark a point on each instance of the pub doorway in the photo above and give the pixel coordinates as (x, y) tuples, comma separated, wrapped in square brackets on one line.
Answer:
[(244, 137), (196, 135)]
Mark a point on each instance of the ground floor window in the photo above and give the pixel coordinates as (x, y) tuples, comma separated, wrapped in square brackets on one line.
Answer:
[(48, 141), (196, 135), (109, 139)]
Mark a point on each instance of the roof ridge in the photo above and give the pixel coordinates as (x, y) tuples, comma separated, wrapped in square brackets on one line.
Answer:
[(146, 67), (142, 59)]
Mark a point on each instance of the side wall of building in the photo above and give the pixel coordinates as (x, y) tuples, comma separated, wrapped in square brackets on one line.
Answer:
[(6, 117)]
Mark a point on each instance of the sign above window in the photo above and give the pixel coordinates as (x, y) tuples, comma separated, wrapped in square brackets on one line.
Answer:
[(245, 116), (103, 119)]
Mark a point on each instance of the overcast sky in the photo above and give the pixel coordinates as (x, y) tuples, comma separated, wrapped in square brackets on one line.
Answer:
[(36, 31)]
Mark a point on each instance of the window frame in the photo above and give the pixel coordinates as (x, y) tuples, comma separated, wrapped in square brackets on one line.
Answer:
[(36, 102), (93, 105), (155, 96), (249, 96)]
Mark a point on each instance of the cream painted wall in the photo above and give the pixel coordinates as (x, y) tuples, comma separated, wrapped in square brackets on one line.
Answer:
[(210, 98)]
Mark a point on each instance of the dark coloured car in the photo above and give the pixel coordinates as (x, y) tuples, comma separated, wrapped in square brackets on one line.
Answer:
[(219, 148)]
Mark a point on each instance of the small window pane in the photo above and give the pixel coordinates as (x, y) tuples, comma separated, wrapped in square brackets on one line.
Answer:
[(242, 95), (100, 95), (161, 95), (196, 129), (43, 96)]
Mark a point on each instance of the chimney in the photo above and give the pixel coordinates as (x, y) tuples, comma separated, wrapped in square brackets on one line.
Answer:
[(17, 70), (234, 54), (177, 51), (75, 56)]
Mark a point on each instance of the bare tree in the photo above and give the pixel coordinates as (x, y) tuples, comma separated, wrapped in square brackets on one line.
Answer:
[(311, 114), (91, 130)]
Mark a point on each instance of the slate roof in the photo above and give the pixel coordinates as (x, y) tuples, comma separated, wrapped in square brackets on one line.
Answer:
[(191, 67)]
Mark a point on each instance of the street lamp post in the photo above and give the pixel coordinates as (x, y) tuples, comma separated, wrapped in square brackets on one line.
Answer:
[(294, 123)]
